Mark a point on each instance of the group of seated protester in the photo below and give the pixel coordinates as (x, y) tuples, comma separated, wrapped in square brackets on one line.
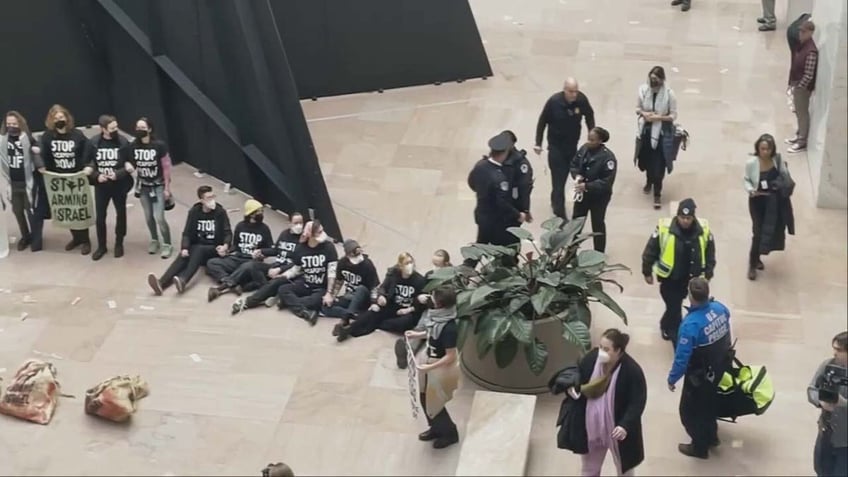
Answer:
[(300, 272)]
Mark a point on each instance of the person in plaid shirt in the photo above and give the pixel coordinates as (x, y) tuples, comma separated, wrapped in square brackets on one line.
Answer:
[(802, 80)]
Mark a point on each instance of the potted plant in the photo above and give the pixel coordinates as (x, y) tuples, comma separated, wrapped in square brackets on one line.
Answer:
[(518, 324)]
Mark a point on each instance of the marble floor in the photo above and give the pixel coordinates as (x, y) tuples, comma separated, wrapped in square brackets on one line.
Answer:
[(265, 387)]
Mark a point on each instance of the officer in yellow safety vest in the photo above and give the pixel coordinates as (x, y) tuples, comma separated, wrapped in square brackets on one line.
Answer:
[(680, 249)]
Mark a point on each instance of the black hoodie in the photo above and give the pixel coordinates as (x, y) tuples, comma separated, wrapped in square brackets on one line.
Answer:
[(250, 236), (206, 228)]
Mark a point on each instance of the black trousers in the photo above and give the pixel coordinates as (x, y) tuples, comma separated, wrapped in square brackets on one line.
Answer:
[(349, 305), (654, 162), (596, 208), (80, 237), (495, 233), (829, 461), (698, 413), (673, 292), (757, 209), (117, 195), (187, 267), (441, 425), (386, 319), (220, 268), (297, 295), (268, 290), (559, 162)]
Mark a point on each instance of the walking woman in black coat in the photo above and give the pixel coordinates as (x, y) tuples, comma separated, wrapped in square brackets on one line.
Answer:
[(603, 406)]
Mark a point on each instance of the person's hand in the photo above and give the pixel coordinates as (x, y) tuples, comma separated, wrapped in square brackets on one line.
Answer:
[(424, 367), (827, 406), (328, 299), (112, 176), (619, 433), (649, 279), (422, 298), (274, 272), (129, 167), (374, 308), (167, 194), (671, 387), (537, 150), (257, 254), (405, 311), (35, 150), (221, 249), (87, 170), (522, 217), (101, 178), (184, 253), (580, 187), (42, 170), (528, 217), (381, 300)]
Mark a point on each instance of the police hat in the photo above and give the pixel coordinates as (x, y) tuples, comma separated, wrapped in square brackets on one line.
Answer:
[(501, 142)]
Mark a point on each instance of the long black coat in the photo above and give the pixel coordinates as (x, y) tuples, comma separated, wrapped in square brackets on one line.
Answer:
[(631, 393), (779, 217)]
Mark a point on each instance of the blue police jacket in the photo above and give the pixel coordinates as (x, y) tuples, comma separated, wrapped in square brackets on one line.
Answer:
[(703, 341)]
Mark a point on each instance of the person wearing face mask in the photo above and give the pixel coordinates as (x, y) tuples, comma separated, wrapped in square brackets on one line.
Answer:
[(593, 170), (112, 183), (397, 307), (270, 276), (20, 160), (152, 163), (63, 149), (702, 355), (356, 272), (602, 410), (314, 272), (249, 238), (656, 111), (207, 234), (680, 248), (441, 259)]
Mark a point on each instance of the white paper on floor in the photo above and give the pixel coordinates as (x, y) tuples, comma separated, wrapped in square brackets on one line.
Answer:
[(740, 43), (2, 370), (507, 18), (736, 28), (24, 316), (198, 174), (675, 69), (634, 22), (130, 205), (12, 240), (28, 299), (111, 304), (195, 357), (723, 70), (588, 20), (737, 443), (76, 300), (146, 308)]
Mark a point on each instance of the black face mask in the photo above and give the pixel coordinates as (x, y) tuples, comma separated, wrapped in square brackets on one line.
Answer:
[(14, 131), (655, 83), (60, 124), (258, 218), (140, 134)]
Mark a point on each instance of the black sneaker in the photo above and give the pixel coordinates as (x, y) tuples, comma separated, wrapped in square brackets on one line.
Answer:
[(689, 450), (647, 189), (767, 27), (337, 329), (427, 436), (443, 442), (686, 6), (98, 254), (657, 203), (752, 273), (665, 335), (400, 354), (85, 249), (23, 244), (761, 20), (71, 245), (675, 3), (311, 317), (179, 284), (119, 250), (344, 333), (213, 294), (154, 284), (760, 265)]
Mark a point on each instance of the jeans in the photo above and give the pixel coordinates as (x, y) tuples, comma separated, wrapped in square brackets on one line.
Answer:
[(117, 194), (559, 162), (828, 460), (768, 12), (22, 210), (597, 207), (221, 268), (349, 305), (698, 413), (801, 99), (673, 292), (298, 296), (153, 203), (187, 267)]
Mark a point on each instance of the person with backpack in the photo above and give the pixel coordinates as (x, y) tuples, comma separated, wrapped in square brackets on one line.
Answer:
[(112, 183)]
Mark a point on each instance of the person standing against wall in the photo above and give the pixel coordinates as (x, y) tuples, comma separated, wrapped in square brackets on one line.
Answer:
[(768, 22), (830, 457), (562, 115), (112, 183), (802, 80), (63, 149), (149, 156), (594, 169), (656, 111), (20, 162)]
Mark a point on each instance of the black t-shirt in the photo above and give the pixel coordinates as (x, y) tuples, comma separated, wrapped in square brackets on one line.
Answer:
[(406, 289), (63, 152), (313, 262), (15, 153), (249, 236), (283, 250), (437, 348), (106, 155), (355, 274), (147, 159)]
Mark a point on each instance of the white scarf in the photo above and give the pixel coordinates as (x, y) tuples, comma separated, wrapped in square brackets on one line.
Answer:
[(646, 100)]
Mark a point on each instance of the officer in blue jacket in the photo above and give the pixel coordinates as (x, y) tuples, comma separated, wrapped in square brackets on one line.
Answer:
[(701, 357)]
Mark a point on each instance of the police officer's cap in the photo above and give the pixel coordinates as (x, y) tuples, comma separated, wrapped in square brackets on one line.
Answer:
[(501, 142)]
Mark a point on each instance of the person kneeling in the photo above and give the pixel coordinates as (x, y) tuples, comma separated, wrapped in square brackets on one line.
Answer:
[(357, 273), (313, 273)]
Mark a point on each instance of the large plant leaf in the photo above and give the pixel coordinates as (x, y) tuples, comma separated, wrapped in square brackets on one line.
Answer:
[(501, 325), (463, 329), (580, 311), (471, 253), (616, 267), (607, 301), (542, 299), (553, 279), (496, 251), (590, 258), (463, 303), (505, 351), (517, 303), (478, 297), (520, 328), (576, 278), (554, 223), (577, 333), (485, 325), (564, 237), (612, 282), (537, 356), (498, 273), (522, 234), (509, 282)]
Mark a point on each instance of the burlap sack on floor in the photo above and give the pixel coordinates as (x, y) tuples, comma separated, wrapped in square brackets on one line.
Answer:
[(33, 393), (115, 399)]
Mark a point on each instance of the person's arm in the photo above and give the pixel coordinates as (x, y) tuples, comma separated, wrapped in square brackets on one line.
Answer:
[(121, 171), (812, 389), (588, 113), (504, 202), (82, 153), (273, 250), (685, 345), (189, 231), (640, 102), (637, 397), (606, 178), (292, 272), (750, 186), (577, 163), (35, 154), (47, 153), (651, 254), (810, 64), (542, 123), (91, 158), (226, 230), (166, 172), (332, 265), (448, 359), (710, 258), (267, 239), (334, 289), (671, 116)]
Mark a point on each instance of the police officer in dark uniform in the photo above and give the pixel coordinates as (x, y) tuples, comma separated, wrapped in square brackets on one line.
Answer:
[(495, 210), (593, 170), (702, 356), (519, 173)]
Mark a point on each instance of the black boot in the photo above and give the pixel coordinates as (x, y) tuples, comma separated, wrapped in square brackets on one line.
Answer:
[(99, 253), (689, 450), (119, 248)]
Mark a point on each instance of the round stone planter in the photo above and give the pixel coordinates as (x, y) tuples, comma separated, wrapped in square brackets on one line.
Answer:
[(517, 376)]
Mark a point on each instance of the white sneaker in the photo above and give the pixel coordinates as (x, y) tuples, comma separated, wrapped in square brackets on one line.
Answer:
[(791, 140), (271, 302), (153, 247), (796, 148), (167, 250)]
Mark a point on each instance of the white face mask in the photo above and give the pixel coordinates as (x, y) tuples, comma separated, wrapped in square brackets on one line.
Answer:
[(603, 356), (210, 204), (357, 259), (408, 268), (297, 229), (322, 237)]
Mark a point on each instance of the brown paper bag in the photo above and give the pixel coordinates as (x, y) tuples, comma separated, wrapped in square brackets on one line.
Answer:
[(115, 399), (33, 393)]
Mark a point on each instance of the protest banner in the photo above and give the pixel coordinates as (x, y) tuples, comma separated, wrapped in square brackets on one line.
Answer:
[(412, 371), (71, 200)]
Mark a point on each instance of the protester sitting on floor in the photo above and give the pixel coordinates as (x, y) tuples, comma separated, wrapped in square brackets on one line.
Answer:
[(356, 272)]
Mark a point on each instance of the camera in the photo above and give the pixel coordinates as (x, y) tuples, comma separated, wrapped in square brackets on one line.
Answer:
[(830, 381)]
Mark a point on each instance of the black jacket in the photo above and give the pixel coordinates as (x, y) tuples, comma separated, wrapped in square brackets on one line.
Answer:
[(562, 119), (494, 197), (598, 168), (682, 255), (631, 394), (196, 230), (519, 173)]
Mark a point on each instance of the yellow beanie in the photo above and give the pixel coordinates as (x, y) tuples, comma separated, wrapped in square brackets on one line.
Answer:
[(251, 206)]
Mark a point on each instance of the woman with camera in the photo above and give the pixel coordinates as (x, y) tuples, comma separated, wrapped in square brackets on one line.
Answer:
[(829, 392)]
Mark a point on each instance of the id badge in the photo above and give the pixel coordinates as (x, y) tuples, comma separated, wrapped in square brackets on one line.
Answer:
[(764, 185)]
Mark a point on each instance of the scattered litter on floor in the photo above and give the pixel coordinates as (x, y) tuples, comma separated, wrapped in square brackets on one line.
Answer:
[(199, 174), (634, 22), (55, 356), (2, 370), (485, 42), (76, 300), (740, 43), (130, 205), (111, 304), (227, 188), (675, 69), (737, 443), (517, 23), (588, 20), (693, 80), (28, 299), (195, 357), (12, 240), (692, 91), (723, 70), (507, 18), (146, 308), (736, 28), (24, 316)]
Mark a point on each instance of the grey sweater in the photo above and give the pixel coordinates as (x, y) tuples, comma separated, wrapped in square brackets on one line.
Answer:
[(836, 420)]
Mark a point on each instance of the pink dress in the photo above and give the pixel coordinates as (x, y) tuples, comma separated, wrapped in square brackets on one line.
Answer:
[(600, 422)]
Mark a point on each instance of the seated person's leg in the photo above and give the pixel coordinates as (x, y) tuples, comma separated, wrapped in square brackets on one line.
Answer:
[(400, 324), (167, 278), (308, 304), (365, 324), (266, 294)]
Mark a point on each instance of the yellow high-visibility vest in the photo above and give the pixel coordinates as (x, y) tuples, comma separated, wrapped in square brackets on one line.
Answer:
[(668, 241)]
